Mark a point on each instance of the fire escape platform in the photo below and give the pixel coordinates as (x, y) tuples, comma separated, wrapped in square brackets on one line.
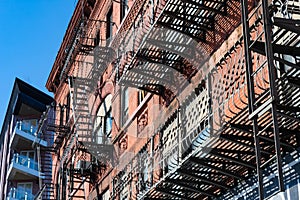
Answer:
[(230, 161), (25, 139), (226, 158), (185, 34)]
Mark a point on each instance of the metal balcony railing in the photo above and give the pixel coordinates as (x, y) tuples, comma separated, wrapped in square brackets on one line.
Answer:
[(25, 161), (20, 194)]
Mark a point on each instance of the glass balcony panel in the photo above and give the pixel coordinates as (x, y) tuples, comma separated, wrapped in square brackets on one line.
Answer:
[(27, 129), (28, 126), (25, 161), (20, 194)]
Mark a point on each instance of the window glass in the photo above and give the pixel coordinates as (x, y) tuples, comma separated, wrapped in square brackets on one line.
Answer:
[(125, 105), (109, 23), (103, 122), (24, 188), (141, 95), (124, 8), (108, 122), (106, 195), (28, 154)]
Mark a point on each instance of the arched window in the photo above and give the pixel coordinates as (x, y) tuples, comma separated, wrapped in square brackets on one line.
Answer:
[(103, 122)]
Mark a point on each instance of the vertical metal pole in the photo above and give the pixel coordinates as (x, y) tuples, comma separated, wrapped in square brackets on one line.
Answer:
[(39, 165), (251, 93), (274, 95), (179, 135), (152, 161), (210, 104)]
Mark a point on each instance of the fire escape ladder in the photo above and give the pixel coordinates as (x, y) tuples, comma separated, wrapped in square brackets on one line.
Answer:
[(254, 110), (280, 73), (288, 24)]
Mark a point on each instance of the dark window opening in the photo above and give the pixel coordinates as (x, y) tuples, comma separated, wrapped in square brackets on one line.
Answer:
[(124, 8), (68, 109), (109, 23), (91, 3), (61, 117), (125, 105), (97, 38), (87, 12), (141, 96)]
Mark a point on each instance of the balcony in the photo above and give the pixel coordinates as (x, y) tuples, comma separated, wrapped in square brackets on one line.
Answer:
[(23, 168), (19, 194), (25, 133)]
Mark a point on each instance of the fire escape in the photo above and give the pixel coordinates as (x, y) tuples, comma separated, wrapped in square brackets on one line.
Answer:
[(84, 158), (44, 154), (273, 112), (241, 122)]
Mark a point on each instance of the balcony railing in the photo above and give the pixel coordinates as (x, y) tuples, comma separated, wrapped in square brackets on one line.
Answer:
[(28, 130), (28, 126), (25, 161), (19, 194)]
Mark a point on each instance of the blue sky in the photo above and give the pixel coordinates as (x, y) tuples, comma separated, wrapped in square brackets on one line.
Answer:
[(31, 32)]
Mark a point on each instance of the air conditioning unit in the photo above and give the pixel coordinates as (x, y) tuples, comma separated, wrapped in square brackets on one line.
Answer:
[(83, 164)]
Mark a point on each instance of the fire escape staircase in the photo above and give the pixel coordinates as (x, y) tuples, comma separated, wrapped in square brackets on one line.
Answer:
[(269, 43), (44, 156)]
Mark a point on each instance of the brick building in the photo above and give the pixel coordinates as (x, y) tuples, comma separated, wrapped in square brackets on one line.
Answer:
[(26, 164), (177, 99)]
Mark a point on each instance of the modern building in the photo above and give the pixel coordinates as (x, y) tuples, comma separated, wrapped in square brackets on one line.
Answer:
[(26, 164), (178, 99)]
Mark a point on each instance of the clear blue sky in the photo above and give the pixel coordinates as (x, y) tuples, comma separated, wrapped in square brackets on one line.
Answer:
[(31, 32)]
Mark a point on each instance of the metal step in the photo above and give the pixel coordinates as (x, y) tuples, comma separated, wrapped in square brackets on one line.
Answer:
[(259, 47), (288, 24), (262, 109)]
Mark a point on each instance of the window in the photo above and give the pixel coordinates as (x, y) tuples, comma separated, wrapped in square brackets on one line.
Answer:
[(61, 117), (27, 158), (141, 95), (91, 3), (98, 131), (145, 170), (124, 8), (109, 24), (25, 191), (97, 38), (103, 122), (108, 122), (106, 195), (125, 105), (68, 108), (28, 154)]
